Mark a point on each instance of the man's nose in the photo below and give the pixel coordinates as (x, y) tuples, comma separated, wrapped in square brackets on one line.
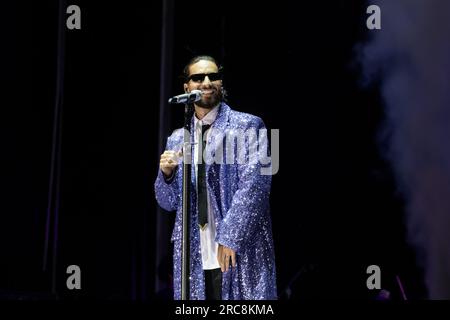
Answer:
[(206, 81)]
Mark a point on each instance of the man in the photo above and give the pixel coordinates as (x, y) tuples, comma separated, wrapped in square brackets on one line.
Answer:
[(232, 254)]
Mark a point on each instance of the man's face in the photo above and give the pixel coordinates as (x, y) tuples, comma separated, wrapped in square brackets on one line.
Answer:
[(203, 75)]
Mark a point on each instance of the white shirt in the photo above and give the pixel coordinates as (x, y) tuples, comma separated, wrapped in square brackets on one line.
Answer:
[(208, 245)]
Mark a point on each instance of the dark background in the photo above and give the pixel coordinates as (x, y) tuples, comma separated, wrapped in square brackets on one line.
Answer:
[(335, 206)]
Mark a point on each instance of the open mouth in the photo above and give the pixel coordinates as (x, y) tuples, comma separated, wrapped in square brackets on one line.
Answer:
[(207, 92)]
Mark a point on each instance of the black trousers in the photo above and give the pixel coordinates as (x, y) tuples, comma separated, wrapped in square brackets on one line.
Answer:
[(213, 284)]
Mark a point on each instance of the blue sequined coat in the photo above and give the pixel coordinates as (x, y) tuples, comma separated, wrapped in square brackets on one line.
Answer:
[(240, 199)]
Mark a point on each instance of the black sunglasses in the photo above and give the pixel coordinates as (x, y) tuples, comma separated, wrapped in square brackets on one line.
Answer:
[(200, 77)]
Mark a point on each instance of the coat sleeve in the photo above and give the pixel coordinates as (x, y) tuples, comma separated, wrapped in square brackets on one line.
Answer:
[(167, 191), (249, 204)]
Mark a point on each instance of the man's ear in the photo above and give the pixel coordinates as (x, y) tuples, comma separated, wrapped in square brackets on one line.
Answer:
[(185, 88)]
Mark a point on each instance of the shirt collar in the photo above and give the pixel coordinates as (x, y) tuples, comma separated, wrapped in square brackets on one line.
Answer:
[(209, 118)]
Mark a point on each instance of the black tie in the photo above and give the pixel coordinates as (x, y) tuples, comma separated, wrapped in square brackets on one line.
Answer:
[(201, 182)]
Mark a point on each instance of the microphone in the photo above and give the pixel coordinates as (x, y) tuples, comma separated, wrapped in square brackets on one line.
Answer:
[(189, 97)]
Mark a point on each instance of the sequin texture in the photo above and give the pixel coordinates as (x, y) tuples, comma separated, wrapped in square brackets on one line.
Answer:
[(240, 199)]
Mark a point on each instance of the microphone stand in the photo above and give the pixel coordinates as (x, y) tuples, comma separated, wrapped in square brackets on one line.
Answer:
[(187, 158)]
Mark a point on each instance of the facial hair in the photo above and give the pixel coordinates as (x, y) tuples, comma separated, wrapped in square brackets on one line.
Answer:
[(212, 101)]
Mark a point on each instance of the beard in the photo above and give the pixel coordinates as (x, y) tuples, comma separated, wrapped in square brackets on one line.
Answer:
[(211, 101)]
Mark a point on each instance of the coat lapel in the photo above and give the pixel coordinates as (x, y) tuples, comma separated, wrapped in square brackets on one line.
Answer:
[(213, 171)]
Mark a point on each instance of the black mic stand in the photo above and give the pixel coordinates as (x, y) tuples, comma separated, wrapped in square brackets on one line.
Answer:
[(187, 158)]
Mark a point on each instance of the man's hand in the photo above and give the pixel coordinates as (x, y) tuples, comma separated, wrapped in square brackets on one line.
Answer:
[(223, 256), (169, 161)]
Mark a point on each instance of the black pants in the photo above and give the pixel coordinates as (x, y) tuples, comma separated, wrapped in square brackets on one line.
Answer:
[(213, 284)]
